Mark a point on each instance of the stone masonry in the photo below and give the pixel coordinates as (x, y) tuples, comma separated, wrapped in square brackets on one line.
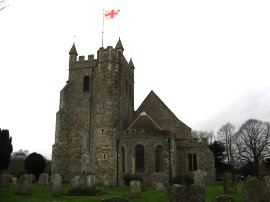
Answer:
[(98, 132)]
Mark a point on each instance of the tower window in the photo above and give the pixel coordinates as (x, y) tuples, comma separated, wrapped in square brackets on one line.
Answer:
[(86, 84), (192, 162), (139, 159), (123, 159), (159, 158)]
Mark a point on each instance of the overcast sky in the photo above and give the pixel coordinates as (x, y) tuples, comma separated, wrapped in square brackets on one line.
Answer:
[(208, 60)]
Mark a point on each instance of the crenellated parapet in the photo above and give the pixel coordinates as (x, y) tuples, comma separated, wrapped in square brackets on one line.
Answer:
[(82, 62)]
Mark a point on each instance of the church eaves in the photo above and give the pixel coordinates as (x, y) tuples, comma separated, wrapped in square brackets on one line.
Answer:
[(144, 122)]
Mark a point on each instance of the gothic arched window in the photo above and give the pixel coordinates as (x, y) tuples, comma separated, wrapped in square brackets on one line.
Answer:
[(123, 159), (139, 158), (86, 84), (159, 158)]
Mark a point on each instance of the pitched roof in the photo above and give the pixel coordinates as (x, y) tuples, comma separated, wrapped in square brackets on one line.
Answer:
[(162, 115), (144, 122)]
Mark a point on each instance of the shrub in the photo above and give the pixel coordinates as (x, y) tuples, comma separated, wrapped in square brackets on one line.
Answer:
[(129, 177)]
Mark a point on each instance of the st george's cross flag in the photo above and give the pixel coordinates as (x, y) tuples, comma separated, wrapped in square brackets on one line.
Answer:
[(110, 14)]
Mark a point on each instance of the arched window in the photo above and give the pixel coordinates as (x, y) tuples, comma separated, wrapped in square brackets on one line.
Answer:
[(139, 158), (159, 158), (86, 84), (123, 159)]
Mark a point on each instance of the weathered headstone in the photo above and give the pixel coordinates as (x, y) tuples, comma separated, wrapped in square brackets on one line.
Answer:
[(199, 178), (14, 180), (195, 193), (135, 188), (159, 186), (43, 179), (255, 189), (267, 181), (25, 184), (115, 199), (56, 185), (74, 182), (224, 198), (228, 183), (177, 193), (5, 180)]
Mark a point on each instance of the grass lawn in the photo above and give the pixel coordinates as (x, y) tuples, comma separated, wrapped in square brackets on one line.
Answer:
[(43, 194)]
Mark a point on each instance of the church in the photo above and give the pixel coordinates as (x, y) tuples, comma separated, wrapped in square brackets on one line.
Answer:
[(99, 132)]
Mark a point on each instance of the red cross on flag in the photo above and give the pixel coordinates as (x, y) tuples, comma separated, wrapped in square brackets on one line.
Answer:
[(110, 14)]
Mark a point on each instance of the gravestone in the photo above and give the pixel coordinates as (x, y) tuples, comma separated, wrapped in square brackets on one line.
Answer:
[(195, 193), (25, 184), (228, 183), (199, 178), (74, 182), (135, 188), (14, 180), (159, 187), (84, 185), (5, 180), (115, 199), (56, 185), (267, 181), (177, 193), (255, 189), (224, 198), (43, 179)]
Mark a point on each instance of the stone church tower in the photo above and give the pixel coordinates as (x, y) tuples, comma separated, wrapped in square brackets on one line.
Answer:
[(98, 131)]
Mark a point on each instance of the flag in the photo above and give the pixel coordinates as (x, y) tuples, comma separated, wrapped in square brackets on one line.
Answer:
[(110, 14)]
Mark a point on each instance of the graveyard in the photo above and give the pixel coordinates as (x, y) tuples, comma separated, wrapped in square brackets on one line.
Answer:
[(44, 193)]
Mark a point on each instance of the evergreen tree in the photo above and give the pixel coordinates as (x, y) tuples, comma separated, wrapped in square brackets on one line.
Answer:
[(218, 149), (35, 163), (5, 149)]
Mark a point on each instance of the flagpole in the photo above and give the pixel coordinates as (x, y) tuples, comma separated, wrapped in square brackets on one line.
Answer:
[(102, 29)]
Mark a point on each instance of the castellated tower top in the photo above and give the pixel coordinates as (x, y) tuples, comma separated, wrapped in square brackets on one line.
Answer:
[(108, 54)]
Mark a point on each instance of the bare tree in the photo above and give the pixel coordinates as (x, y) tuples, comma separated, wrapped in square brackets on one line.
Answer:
[(253, 142), (226, 134), (3, 5), (202, 134)]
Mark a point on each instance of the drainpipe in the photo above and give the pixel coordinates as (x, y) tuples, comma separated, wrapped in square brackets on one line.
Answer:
[(117, 149), (170, 162)]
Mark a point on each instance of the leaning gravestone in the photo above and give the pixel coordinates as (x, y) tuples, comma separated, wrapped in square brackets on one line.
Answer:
[(255, 189), (159, 186), (43, 179), (199, 178), (224, 198), (5, 180), (56, 185), (25, 184), (177, 193), (195, 193), (228, 183), (135, 188), (115, 199)]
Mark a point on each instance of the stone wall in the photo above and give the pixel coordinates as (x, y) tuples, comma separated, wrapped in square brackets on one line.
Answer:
[(205, 158), (130, 139)]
